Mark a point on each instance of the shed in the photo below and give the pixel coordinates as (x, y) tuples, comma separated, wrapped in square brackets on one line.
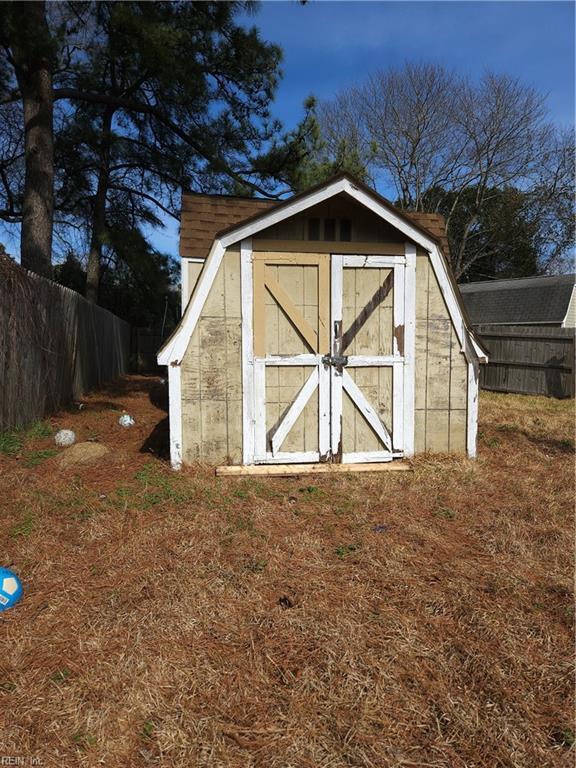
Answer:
[(546, 300), (322, 328)]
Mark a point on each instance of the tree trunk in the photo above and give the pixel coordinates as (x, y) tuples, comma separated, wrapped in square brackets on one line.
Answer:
[(99, 212), (33, 70)]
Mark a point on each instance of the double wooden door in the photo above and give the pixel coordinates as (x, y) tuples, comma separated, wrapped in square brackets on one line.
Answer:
[(328, 361)]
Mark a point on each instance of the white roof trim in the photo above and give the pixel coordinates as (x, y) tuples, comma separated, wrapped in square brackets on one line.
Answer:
[(173, 352), (275, 216)]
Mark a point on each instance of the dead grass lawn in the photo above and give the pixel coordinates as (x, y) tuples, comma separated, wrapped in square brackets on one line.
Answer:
[(402, 619)]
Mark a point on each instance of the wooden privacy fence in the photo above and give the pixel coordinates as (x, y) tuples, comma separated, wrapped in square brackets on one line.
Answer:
[(528, 359), (54, 346)]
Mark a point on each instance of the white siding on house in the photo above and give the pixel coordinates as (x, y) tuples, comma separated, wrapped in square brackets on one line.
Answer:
[(570, 319)]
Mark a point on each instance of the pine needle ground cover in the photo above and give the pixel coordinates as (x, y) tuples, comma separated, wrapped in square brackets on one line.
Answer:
[(179, 619)]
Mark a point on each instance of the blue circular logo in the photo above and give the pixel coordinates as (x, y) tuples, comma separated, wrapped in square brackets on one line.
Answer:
[(10, 589)]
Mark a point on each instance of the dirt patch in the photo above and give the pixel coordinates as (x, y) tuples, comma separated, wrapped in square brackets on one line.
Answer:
[(178, 619), (81, 453)]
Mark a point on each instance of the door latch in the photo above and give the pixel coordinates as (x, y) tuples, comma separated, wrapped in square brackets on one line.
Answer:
[(338, 361)]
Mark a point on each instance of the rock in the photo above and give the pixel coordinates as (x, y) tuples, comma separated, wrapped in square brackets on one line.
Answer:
[(64, 438), (82, 453), (126, 420)]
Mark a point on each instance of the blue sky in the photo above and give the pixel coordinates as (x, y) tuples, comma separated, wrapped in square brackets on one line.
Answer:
[(330, 45)]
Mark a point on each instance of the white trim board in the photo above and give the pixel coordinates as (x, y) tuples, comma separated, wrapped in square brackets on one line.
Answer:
[(409, 347), (247, 304), (175, 414), (173, 351)]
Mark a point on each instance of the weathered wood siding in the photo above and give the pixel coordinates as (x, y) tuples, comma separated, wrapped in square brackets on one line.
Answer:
[(211, 368), (211, 374), (54, 346), (193, 269), (441, 370), (529, 360), (281, 338), (373, 338)]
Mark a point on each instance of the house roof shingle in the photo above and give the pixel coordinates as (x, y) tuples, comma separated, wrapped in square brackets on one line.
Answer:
[(519, 301)]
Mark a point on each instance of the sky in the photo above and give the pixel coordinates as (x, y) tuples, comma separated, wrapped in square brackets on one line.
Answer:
[(331, 45)]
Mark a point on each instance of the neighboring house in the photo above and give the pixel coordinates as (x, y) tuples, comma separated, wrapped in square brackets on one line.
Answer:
[(326, 327), (527, 324), (548, 300)]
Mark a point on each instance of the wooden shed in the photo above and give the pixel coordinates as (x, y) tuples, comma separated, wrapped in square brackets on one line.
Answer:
[(323, 328)]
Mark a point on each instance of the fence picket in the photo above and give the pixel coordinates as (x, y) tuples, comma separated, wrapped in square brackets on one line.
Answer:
[(54, 346), (528, 359)]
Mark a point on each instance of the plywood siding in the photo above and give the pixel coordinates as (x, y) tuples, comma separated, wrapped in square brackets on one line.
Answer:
[(280, 337), (193, 269), (441, 370), (374, 337), (211, 374), (211, 367)]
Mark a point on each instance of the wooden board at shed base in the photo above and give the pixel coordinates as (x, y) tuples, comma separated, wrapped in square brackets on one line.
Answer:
[(285, 470)]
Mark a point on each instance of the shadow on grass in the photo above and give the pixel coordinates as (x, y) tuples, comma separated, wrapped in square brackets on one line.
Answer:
[(158, 441)]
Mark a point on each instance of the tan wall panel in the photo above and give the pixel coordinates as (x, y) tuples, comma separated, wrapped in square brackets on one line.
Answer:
[(191, 427), (232, 286), (441, 373), (213, 416), (212, 374), (194, 268), (233, 359), (422, 277), (438, 365), (458, 426), (437, 433), (214, 304), (419, 431), (458, 376), (421, 362), (234, 431)]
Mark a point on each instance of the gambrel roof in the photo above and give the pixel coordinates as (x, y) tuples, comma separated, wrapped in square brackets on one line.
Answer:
[(431, 238), (204, 216)]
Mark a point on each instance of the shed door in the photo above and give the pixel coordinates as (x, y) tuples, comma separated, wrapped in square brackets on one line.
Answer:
[(328, 365), (367, 370)]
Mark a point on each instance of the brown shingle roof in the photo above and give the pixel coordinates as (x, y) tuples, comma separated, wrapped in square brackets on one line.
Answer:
[(435, 224), (203, 216)]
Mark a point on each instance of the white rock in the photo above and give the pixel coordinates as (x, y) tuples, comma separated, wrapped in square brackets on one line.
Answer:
[(126, 420), (64, 438)]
